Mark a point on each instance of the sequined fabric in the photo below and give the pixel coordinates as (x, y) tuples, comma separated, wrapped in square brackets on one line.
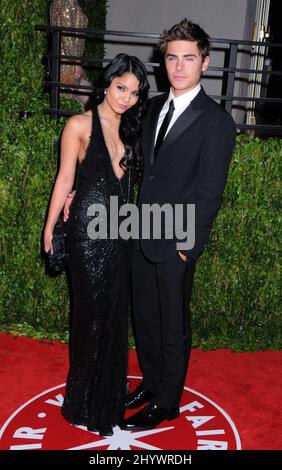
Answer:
[(96, 381), (69, 13)]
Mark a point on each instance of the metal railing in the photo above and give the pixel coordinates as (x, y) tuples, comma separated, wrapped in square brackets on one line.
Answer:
[(230, 72)]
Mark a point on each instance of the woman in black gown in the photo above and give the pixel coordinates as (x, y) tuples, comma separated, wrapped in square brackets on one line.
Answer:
[(105, 141)]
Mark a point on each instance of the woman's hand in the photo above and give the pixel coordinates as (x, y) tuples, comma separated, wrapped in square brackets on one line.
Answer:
[(67, 205), (183, 257), (77, 71), (48, 236)]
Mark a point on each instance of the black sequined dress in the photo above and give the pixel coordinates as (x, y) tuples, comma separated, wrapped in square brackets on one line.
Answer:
[(96, 382)]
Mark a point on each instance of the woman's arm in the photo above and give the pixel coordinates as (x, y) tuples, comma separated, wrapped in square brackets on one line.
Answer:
[(70, 144)]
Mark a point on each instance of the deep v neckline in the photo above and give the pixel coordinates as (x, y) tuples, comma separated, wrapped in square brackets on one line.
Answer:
[(107, 150)]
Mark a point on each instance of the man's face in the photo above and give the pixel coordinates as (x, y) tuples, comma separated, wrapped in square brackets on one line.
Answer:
[(184, 65)]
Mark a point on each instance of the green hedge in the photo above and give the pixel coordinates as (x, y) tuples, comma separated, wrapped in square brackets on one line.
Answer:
[(28, 168), (236, 294)]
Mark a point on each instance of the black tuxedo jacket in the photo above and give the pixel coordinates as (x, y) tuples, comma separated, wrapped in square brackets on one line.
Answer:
[(191, 168)]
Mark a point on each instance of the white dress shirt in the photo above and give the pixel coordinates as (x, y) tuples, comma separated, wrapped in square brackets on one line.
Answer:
[(180, 104)]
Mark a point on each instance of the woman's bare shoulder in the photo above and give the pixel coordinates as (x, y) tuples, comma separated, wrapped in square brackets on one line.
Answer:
[(79, 123)]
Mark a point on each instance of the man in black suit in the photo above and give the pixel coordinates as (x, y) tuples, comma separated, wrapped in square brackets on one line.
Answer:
[(188, 141)]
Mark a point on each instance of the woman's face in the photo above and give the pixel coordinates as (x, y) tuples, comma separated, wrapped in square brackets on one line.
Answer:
[(123, 93)]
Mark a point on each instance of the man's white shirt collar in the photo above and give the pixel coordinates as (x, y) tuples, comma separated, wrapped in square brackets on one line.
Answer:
[(180, 104)]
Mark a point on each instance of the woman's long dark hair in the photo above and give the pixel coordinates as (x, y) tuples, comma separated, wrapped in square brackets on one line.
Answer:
[(131, 120)]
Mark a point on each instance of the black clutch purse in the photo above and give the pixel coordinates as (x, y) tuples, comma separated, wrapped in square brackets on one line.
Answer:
[(58, 261)]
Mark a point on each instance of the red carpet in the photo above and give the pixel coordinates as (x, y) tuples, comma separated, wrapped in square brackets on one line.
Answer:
[(245, 386)]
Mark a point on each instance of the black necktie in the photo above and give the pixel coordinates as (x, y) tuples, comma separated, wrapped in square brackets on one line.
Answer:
[(164, 127)]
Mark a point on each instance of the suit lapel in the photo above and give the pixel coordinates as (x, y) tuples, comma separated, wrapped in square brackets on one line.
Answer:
[(185, 120)]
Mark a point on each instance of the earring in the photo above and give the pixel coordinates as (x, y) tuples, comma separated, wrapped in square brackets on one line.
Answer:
[(105, 92)]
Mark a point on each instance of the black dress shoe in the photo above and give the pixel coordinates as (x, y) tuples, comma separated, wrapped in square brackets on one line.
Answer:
[(148, 418), (139, 397), (108, 431), (104, 431)]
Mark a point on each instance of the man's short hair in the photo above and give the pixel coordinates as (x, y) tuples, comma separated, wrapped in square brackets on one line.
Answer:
[(186, 31)]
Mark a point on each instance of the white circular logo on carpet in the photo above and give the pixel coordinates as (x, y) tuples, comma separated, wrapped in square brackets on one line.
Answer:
[(38, 424)]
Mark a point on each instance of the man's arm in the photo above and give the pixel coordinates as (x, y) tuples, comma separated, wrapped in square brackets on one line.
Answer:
[(215, 158)]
